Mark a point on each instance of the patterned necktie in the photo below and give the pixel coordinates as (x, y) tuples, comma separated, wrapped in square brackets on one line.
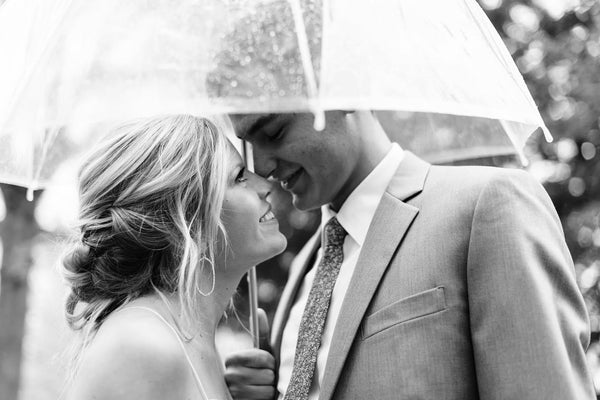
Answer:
[(315, 312)]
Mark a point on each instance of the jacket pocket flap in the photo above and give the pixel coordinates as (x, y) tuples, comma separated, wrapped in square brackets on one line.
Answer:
[(408, 308)]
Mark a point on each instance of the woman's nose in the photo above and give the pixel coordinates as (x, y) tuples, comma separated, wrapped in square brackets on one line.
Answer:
[(262, 186)]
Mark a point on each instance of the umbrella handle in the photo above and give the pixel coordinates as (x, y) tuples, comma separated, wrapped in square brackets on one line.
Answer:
[(253, 303)]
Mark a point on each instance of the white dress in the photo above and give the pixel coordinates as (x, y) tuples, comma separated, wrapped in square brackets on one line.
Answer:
[(180, 340)]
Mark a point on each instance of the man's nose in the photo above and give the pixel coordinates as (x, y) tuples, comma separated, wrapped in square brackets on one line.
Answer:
[(264, 163)]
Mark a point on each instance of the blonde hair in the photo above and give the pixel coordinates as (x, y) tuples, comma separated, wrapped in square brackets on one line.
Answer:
[(151, 196)]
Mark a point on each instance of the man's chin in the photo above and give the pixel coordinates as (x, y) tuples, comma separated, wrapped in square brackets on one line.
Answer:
[(304, 203)]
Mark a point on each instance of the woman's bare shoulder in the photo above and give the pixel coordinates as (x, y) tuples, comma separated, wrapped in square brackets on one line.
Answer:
[(133, 355)]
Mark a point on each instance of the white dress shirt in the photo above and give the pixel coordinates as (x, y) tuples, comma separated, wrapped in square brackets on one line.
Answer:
[(355, 216)]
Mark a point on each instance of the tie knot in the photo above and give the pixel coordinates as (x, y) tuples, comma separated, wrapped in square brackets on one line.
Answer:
[(334, 233)]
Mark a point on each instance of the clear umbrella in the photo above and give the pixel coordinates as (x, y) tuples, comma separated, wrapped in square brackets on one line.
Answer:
[(439, 75), (435, 71)]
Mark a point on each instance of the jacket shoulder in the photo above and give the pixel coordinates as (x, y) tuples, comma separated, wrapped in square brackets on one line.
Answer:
[(472, 180)]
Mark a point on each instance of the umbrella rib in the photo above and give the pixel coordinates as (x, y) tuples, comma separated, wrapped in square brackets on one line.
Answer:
[(25, 79), (47, 143), (503, 55), (309, 71)]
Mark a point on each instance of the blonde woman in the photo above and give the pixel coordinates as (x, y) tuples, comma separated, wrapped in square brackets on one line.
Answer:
[(170, 222)]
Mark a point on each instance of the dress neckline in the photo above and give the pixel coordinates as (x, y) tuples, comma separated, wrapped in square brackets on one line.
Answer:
[(180, 340)]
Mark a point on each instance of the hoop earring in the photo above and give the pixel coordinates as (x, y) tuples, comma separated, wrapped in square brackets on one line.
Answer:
[(212, 270)]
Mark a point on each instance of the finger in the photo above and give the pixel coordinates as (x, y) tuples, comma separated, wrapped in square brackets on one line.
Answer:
[(249, 376), (242, 392), (264, 333), (251, 358)]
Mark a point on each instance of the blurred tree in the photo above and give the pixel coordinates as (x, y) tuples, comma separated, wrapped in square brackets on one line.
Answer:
[(558, 52), (559, 56), (16, 232)]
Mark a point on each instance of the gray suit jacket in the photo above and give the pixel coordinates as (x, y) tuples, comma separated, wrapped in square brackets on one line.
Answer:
[(464, 289)]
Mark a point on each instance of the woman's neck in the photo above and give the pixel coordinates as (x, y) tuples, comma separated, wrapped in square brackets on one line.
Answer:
[(210, 307)]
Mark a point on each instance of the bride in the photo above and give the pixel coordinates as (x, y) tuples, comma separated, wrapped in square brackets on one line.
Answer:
[(170, 221)]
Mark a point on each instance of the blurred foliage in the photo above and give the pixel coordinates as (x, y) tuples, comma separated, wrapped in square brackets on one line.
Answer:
[(560, 61), (559, 57), (558, 53)]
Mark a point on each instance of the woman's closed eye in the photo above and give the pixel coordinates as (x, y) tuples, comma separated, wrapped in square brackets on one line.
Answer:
[(241, 176)]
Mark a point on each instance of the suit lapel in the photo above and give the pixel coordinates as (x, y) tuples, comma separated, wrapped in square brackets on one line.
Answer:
[(389, 225), (288, 297)]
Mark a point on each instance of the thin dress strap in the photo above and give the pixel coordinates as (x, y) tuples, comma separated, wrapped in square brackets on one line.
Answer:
[(189, 360)]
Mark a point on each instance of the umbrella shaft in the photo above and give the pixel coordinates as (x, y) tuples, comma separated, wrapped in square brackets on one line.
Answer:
[(253, 300), (252, 282)]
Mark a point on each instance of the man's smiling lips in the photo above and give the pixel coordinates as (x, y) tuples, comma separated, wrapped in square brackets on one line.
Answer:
[(288, 182)]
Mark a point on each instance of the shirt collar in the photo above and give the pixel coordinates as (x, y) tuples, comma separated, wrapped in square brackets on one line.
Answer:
[(358, 210)]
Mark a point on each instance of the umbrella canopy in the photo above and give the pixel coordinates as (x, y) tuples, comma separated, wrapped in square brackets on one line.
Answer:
[(436, 71)]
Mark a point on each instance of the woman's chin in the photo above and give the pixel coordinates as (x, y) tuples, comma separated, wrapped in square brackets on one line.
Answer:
[(251, 256), (274, 247), (281, 245)]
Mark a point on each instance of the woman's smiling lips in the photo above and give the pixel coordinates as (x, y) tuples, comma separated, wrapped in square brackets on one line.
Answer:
[(269, 216)]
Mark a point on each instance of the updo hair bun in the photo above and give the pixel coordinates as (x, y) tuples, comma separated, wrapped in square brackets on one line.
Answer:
[(79, 259), (78, 264), (123, 268)]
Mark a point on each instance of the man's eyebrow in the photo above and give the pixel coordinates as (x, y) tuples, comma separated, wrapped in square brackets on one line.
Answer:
[(257, 124)]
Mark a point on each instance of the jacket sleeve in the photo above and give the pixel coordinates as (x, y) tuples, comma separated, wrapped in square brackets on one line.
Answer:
[(529, 325)]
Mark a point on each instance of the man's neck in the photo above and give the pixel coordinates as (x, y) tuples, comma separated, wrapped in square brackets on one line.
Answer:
[(374, 146)]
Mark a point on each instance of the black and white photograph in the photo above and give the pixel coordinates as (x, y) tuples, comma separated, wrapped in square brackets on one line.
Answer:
[(300, 199)]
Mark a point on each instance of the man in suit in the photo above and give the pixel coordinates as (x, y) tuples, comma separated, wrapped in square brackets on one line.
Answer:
[(450, 282)]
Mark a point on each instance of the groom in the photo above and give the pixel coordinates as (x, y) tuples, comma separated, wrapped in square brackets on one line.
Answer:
[(423, 282)]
